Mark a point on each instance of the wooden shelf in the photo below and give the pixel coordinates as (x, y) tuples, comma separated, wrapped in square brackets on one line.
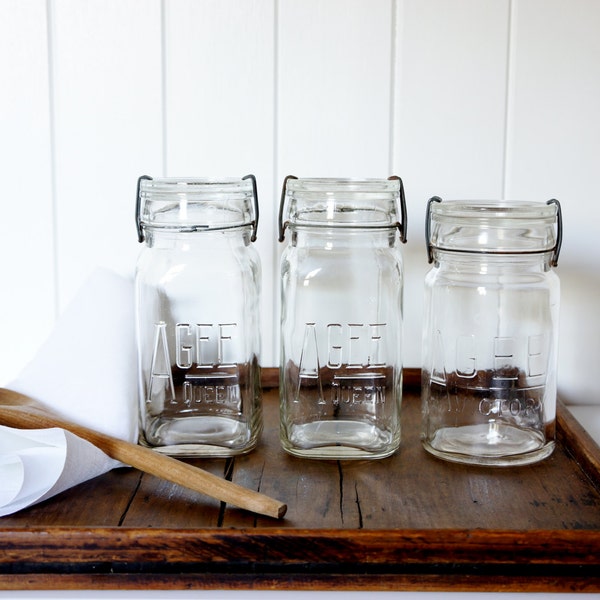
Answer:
[(408, 522)]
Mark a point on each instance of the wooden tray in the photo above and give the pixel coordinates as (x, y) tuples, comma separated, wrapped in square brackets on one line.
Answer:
[(409, 522)]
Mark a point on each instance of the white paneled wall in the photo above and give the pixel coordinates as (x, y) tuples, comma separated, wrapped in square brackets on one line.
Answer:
[(27, 232), (106, 99), (461, 98), (333, 88), (220, 105)]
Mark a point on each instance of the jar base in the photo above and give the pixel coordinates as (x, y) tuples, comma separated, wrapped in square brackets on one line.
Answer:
[(215, 437), (492, 444), (344, 440)]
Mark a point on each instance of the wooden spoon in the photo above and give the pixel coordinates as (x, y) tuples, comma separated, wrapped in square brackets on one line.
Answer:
[(20, 411)]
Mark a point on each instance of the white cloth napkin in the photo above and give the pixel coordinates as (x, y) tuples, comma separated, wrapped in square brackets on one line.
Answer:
[(86, 373)]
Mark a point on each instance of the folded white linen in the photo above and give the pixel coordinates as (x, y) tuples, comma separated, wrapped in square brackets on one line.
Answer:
[(37, 464), (85, 372)]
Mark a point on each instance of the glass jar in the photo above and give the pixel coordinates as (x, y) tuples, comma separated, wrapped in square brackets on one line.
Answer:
[(490, 331), (197, 294), (341, 317)]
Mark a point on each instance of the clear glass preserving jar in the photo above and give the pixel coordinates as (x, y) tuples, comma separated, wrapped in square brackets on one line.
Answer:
[(197, 294), (490, 331), (341, 317)]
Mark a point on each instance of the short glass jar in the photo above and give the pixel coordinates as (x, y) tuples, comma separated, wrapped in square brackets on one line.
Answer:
[(490, 331)]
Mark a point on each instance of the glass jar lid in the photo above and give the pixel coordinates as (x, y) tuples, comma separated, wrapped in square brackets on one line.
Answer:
[(196, 204), (342, 203), (493, 227)]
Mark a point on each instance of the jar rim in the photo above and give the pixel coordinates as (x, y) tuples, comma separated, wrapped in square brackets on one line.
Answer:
[(493, 209), (342, 185), (342, 203), (196, 203), (200, 185)]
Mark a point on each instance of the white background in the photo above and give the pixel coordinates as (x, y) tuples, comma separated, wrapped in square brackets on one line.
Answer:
[(462, 98), (483, 99)]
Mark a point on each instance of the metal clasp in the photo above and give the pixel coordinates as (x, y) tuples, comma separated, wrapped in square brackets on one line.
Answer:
[(138, 207), (255, 198), (559, 234), (401, 226), (428, 227), (281, 224)]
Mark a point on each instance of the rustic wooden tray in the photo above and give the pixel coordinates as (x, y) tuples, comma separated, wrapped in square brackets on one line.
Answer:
[(409, 522)]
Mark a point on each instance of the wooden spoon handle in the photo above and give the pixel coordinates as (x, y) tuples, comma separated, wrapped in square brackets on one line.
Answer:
[(19, 412)]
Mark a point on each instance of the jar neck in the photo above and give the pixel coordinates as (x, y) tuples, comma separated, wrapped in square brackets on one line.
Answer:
[(183, 240), (491, 262), (342, 237)]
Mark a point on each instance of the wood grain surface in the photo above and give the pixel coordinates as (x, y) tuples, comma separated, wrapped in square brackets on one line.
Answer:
[(409, 521)]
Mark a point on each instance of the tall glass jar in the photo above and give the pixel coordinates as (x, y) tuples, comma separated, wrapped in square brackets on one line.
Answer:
[(197, 294), (490, 331), (341, 317)]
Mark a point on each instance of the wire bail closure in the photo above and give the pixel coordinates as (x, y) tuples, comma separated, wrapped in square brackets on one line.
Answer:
[(400, 225), (555, 250), (428, 227), (282, 225), (138, 206), (559, 231), (252, 178)]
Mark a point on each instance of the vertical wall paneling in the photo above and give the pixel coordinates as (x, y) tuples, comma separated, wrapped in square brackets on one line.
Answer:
[(554, 126), (334, 88), (450, 100), (462, 98), (220, 105), (107, 84), (26, 237), (554, 152), (449, 119)]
